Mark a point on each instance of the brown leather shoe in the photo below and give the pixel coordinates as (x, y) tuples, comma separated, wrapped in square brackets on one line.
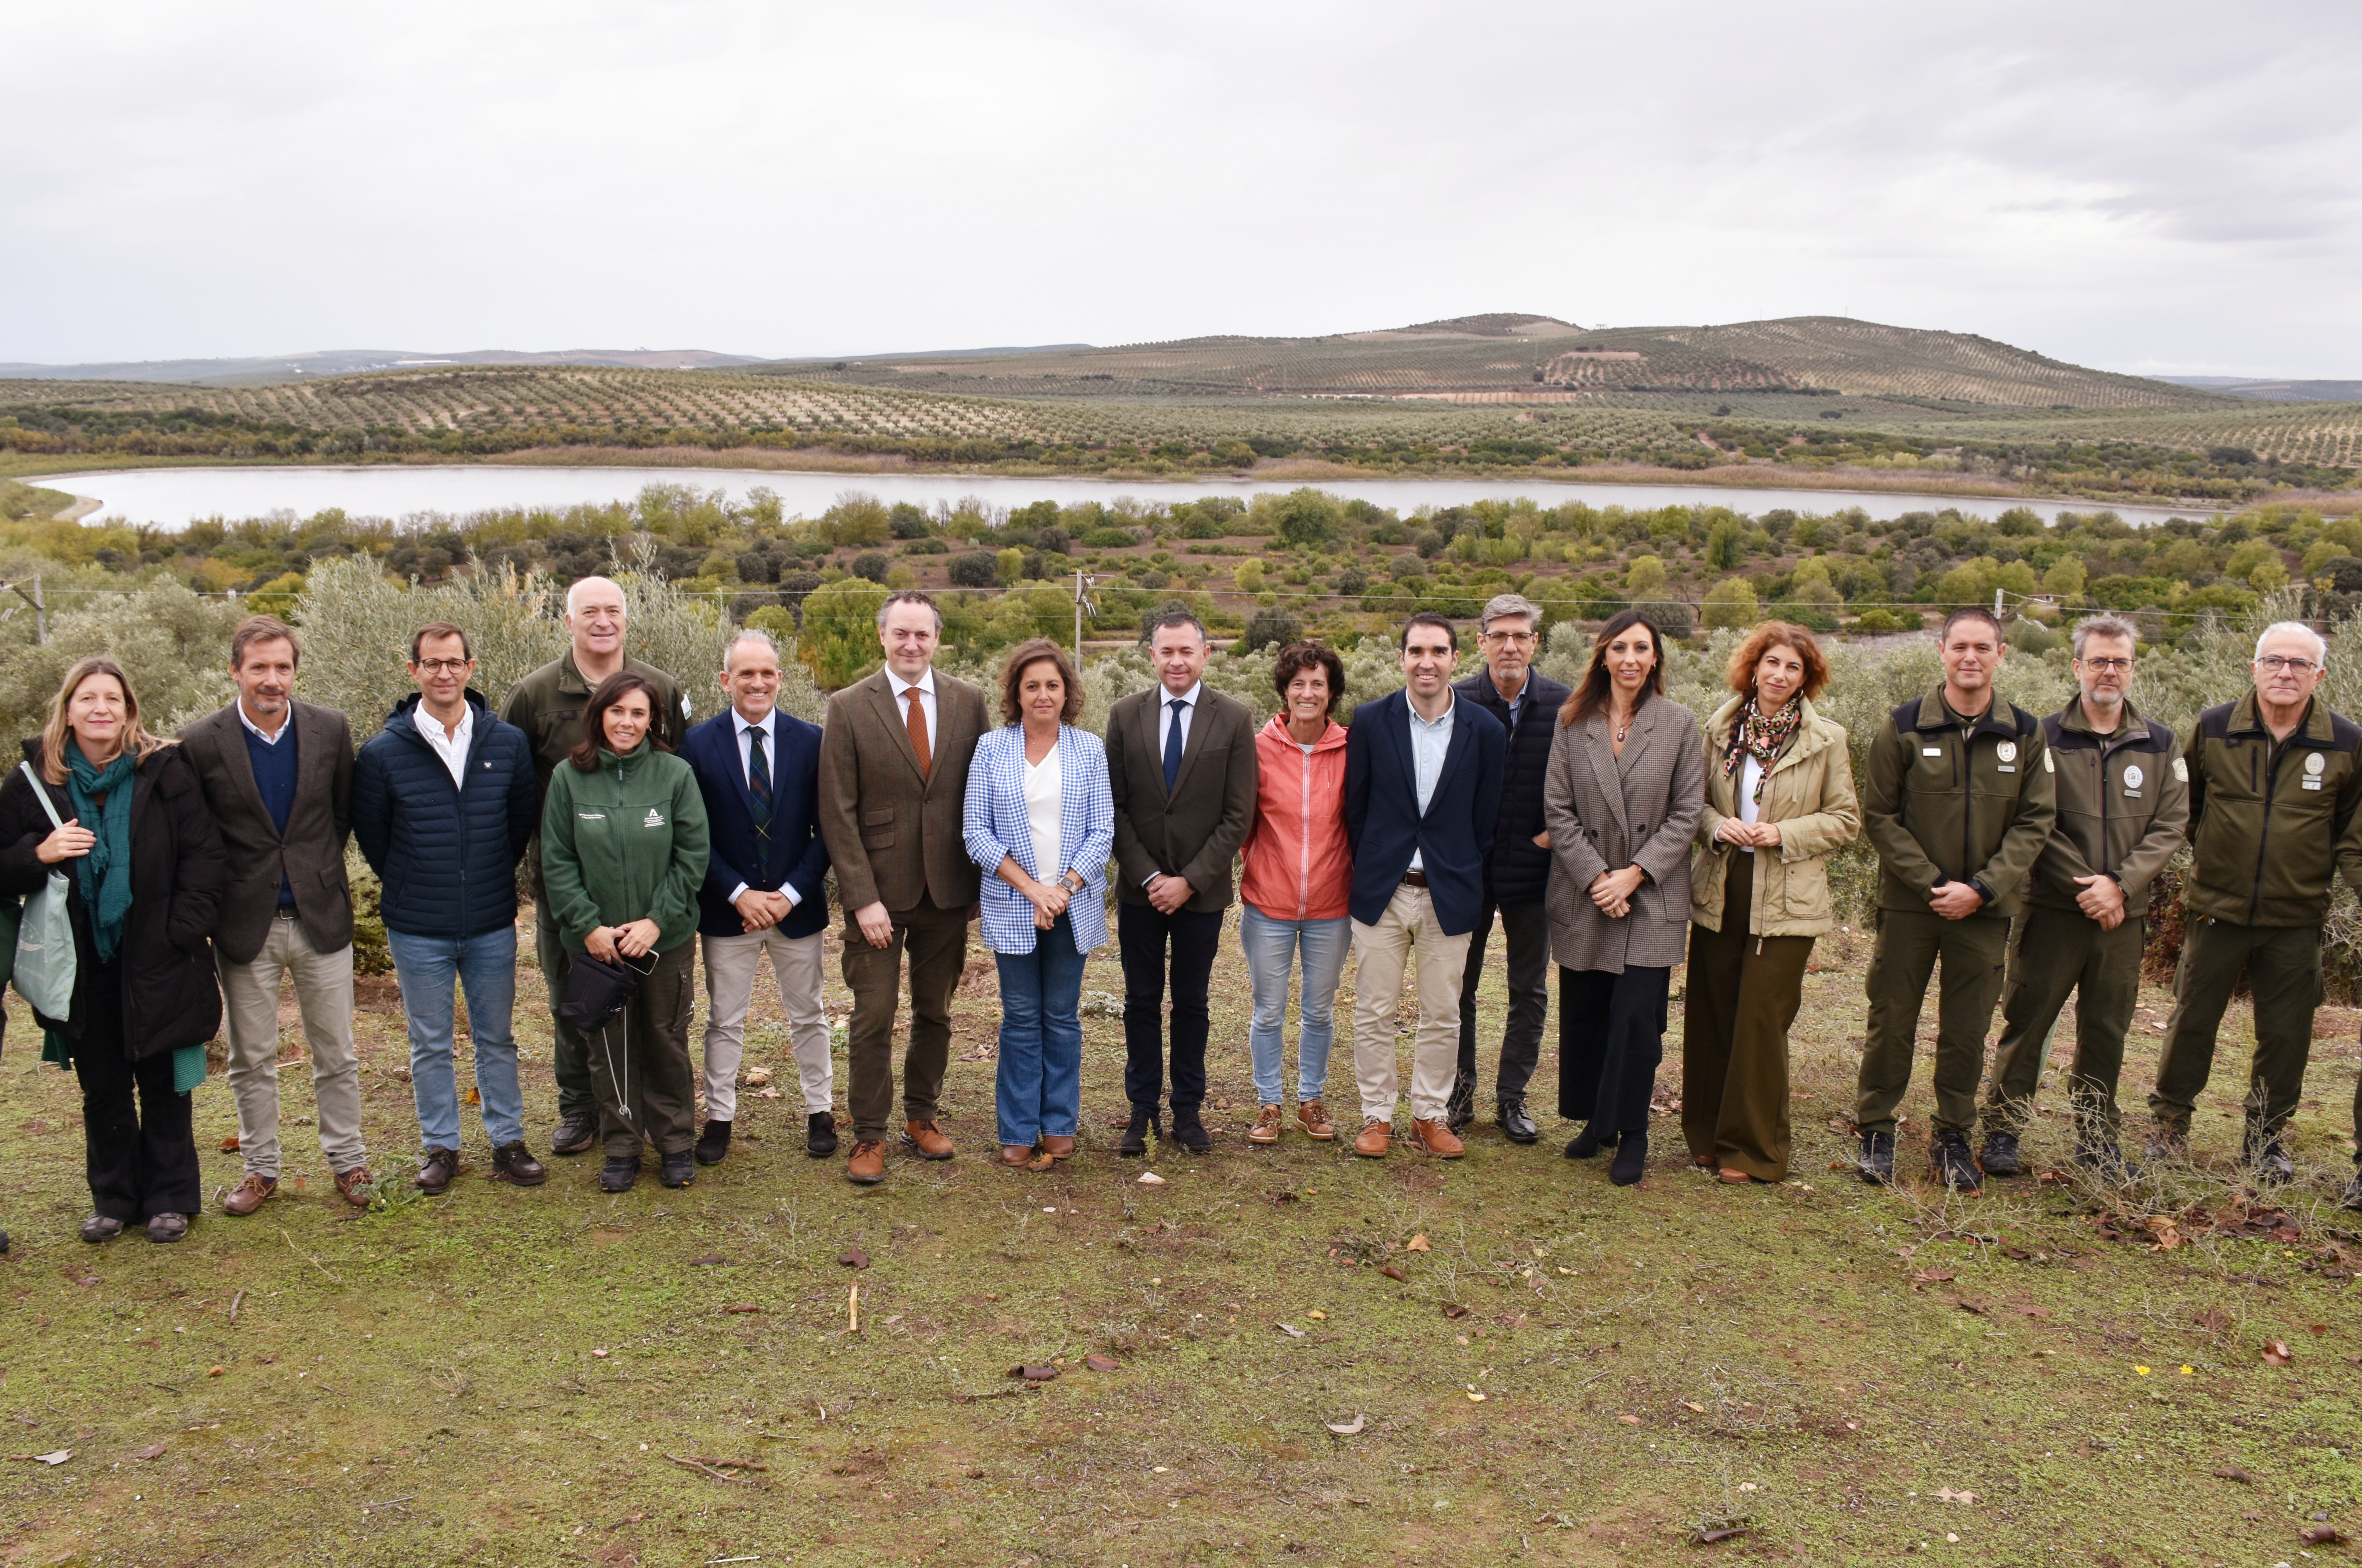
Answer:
[(1017, 1156), (926, 1140), (867, 1165), (1266, 1128), (1313, 1117), (1377, 1138), (1437, 1138), (247, 1195), (1059, 1145), (358, 1186)]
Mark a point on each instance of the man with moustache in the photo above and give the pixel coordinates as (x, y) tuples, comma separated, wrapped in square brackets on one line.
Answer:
[(1959, 803), (2124, 800), (547, 706), (278, 777)]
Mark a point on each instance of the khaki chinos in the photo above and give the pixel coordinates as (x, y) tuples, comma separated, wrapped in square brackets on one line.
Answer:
[(1408, 929), (323, 998), (731, 963)]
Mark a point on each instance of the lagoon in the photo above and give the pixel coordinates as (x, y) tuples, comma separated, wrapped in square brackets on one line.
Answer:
[(173, 498)]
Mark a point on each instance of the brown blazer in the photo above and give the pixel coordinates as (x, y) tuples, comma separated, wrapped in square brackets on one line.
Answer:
[(893, 836), (310, 854), (1196, 833)]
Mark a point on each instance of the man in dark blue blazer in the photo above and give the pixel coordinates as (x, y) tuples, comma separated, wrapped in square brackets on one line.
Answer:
[(1423, 771), (759, 770)]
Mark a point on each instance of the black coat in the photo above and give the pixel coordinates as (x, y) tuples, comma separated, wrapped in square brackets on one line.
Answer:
[(447, 857), (177, 873), (1517, 871)]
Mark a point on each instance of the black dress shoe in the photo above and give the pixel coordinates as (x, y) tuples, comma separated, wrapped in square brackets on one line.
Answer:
[(713, 1142), (1134, 1142), (1460, 1108), (1190, 1133), (820, 1134), (574, 1134), (678, 1169), (435, 1171), (513, 1163), (1516, 1123), (618, 1174)]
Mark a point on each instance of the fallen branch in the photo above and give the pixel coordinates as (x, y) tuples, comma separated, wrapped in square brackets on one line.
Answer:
[(307, 1256), (235, 1302), (708, 1469)]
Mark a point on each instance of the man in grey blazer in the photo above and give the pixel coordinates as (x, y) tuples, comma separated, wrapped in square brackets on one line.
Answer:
[(1181, 765), (278, 778), (893, 782)]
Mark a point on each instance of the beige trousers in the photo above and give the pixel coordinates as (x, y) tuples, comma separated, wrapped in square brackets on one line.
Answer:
[(324, 997), (730, 966), (1407, 931)]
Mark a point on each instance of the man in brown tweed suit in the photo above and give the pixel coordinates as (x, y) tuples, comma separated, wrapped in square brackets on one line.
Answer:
[(893, 772)]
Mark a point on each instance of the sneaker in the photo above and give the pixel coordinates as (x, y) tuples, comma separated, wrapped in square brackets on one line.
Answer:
[(575, 1133), (1136, 1134), (1999, 1157), (100, 1228), (1266, 1128), (1875, 1164), (678, 1169), (1460, 1108), (514, 1164), (713, 1142), (1948, 1154), (167, 1227), (619, 1173), (1190, 1133), (2269, 1161)]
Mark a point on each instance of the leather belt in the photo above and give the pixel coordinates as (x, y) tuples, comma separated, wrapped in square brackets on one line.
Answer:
[(1414, 879)]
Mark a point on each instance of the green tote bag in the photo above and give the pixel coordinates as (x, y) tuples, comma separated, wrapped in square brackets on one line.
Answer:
[(44, 974)]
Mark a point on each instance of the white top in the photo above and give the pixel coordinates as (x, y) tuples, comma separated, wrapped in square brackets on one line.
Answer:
[(925, 688), (1430, 744), (1044, 796), (268, 737), (452, 748), (1749, 773), (771, 762), (1167, 715)]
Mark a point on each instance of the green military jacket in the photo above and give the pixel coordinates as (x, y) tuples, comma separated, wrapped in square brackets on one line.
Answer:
[(2272, 821), (2124, 803), (626, 842), (547, 706), (1946, 803)]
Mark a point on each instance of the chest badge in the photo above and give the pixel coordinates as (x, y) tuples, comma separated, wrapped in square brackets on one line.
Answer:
[(2313, 763), (655, 819), (2133, 776), (2006, 750)]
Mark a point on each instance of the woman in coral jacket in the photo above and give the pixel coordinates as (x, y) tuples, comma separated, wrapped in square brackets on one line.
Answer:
[(1299, 873)]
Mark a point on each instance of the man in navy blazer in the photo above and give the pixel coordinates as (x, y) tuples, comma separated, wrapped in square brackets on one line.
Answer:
[(759, 770), (1423, 773)]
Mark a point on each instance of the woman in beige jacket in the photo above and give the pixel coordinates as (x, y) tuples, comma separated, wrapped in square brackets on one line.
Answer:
[(1779, 801)]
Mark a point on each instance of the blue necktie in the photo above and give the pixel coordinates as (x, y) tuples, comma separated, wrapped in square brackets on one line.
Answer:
[(1173, 745)]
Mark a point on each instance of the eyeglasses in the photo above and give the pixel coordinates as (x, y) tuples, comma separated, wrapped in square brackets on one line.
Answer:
[(2274, 664), (445, 666), (1516, 637), (2106, 666)]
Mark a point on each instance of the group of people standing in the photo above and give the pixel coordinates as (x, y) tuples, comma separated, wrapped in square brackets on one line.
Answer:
[(1604, 828)]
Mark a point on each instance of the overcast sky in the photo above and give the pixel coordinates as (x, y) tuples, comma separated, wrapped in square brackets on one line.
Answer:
[(2165, 187)]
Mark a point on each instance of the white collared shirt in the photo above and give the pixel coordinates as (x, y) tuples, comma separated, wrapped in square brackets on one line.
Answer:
[(1430, 744), (451, 748), (747, 770), (1166, 718), (266, 737), (925, 686)]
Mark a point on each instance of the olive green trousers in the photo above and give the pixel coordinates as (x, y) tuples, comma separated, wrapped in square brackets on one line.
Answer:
[(2283, 965), (1909, 943), (2060, 953)]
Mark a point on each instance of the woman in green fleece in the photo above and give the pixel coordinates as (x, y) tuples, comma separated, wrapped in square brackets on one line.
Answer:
[(623, 849)]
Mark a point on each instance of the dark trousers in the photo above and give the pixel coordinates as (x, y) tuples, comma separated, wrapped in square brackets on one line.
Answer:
[(2283, 965), (1526, 929), (2058, 953), (1742, 997), (640, 1072), (1144, 935), (1611, 1035), (937, 942), (1909, 943), (140, 1149), (569, 1052)]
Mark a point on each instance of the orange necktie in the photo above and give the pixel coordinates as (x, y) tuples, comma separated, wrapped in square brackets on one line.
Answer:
[(919, 733)]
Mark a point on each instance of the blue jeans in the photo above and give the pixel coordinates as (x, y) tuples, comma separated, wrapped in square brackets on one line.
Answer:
[(1038, 1089), (1272, 946), (429, 969)]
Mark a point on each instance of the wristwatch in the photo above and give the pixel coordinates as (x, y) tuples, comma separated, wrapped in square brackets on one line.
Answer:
[(1075, 886)]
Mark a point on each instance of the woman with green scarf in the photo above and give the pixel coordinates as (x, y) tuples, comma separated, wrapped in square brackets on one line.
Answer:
[(145, 872)]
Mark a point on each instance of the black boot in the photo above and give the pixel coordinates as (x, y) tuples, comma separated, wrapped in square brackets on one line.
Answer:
[(820, 1134), (1999, 1157), (575, 1133), (713, 1142), (1189, 1132), (1631, 1159), (1948, 1156), (618, 1174), (1875, 1165), (1589, 1142), (1460, 1108), (678, 1169), (1143, 1125)]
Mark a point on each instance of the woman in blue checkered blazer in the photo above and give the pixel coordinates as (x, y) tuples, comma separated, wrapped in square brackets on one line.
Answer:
[(1041, 822)]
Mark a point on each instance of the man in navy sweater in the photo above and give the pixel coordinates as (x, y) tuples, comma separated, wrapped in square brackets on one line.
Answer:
[(443, 804), (765, 890), (1422, 797)]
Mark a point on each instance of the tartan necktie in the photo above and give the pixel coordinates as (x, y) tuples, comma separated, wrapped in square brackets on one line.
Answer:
[(758, 780), (918, 724)]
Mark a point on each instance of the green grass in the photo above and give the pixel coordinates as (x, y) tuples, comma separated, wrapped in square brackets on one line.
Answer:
[(1815, 1361)]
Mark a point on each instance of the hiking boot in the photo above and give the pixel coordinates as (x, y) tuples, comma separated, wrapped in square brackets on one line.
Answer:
[(2353, 1199), (2268, 1159), (1517, 1124), (1631, 1159), (678, 1169), (713, 1142), (1313, 1117), (1999, 1157), (2103, 1159), (2170, 1145), (1947, 1154), (923, 1138), (619, 1173), (1137, 1132), (575, 1133), (514, 1164), (435, 1171), (1460, 1108), (1190, 1133), (1875, 1164), (1266, 1128)]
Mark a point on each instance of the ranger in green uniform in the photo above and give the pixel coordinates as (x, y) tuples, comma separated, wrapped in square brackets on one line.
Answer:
[(2274, 781), (1959, 803), (547, 706), (2124, 800)]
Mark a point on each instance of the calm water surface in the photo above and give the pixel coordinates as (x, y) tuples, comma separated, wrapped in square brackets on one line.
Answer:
[(171, 497)]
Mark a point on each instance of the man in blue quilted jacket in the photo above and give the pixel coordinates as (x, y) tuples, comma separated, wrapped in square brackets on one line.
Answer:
[(444, 802)]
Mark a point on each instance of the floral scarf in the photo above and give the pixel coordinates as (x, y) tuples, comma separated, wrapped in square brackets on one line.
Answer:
[(1753, 735)]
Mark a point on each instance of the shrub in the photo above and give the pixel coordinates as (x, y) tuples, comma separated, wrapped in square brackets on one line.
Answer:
[(173, 645), (977, 569), (839, 630), (1730, 604), (926, 547), (1880, 617), (1111, 539), (870, 563), (1270, 628)]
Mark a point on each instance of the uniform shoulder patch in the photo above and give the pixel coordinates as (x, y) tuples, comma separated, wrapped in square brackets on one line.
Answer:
[(2047, 765), (2180, 769)]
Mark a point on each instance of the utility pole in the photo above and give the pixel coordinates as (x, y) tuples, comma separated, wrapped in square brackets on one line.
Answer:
[(40, 609), (1083, 580)]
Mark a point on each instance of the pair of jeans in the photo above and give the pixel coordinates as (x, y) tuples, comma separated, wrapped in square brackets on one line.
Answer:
[(1143, 932), (430, 969), (1272, 948), (1039, 1087)]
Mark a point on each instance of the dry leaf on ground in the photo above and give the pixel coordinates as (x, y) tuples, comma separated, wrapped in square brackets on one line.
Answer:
[(1347, 1429), (2276, 1352), (854, 1258), (1419, 1243), (1099, 1363)]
